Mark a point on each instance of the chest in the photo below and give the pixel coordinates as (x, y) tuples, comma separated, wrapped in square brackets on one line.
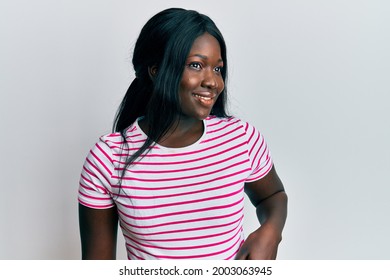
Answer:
[(170, 184)]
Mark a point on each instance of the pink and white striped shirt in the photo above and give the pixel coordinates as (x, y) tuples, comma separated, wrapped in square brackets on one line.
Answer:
[(178, 203)]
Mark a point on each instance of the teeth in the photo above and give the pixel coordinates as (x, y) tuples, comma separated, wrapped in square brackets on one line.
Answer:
[(203, 97)]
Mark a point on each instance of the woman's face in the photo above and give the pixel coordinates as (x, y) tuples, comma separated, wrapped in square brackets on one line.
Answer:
[(202, 80)]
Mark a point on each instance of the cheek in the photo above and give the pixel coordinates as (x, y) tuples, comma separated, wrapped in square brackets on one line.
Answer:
[(221, 85), (188, 83)]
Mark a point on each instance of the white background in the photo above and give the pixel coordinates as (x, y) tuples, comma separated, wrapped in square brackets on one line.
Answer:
[(313, 76)]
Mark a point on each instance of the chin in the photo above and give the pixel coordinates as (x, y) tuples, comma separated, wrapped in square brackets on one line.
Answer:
[(197, 115), (203, 116)]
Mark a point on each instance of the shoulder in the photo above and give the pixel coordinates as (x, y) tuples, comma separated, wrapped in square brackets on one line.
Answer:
[(217, 123), (117, 137), (111, 138), (116, 140), (110, 147), (214, 121)]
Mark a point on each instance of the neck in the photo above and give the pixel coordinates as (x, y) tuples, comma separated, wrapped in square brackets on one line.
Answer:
[(185, 125), (183, 132)]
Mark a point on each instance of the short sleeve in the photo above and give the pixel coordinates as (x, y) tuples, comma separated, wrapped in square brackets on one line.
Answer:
[(259, 154), (95, 187)]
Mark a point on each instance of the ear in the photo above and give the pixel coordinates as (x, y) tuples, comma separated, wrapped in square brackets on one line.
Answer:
[(152, 72)]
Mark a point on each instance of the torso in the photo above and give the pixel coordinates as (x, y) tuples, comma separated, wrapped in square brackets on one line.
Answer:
[(178, 202), (186, 202)]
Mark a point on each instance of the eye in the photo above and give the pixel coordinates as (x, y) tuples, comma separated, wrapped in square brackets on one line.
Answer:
[(218, 69), (195, 65)]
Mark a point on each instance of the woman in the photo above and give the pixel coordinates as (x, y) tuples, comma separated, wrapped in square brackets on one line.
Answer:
[(175, 170)]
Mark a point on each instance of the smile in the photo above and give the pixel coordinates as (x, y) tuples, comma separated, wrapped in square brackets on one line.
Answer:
[(202, 97)]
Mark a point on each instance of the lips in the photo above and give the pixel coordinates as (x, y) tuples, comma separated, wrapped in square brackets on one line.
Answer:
[(205, 98), (202, 97)]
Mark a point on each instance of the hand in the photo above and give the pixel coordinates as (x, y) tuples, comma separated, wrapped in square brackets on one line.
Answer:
[(261, 244)]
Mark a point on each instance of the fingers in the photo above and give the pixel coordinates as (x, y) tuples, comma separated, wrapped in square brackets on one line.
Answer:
[(242, 254)]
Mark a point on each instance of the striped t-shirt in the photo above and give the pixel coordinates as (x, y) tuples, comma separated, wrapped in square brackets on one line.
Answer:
[(178, 203)]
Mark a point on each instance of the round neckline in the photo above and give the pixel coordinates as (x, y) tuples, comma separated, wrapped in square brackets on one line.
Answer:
[(201, 138)]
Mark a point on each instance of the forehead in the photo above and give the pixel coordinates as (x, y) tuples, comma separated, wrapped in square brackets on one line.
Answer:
[(206, 44)]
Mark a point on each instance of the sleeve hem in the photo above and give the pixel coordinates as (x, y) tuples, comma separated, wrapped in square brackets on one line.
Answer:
[(262, 175), (95, 206)]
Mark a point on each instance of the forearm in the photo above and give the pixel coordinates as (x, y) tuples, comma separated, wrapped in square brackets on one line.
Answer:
[(272, 212), (262, 244)]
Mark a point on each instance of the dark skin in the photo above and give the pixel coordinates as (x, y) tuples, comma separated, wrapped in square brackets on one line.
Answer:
[(270, 200), (98, 232), (199, 89)]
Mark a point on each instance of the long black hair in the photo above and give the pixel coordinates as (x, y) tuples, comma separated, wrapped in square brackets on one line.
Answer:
[(164, 44)]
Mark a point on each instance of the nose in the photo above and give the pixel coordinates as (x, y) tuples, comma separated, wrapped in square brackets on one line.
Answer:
[(209, 79)]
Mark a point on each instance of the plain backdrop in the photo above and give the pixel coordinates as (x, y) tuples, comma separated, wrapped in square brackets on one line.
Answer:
[(312, 76)]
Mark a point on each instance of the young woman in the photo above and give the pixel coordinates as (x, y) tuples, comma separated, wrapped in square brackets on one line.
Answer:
[(175, 170)]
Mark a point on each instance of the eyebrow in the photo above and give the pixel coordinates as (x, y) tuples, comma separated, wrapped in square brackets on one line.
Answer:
[(205, 57)]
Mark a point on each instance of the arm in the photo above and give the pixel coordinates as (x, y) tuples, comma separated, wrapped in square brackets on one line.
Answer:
[(98, 232), (270, 200)]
